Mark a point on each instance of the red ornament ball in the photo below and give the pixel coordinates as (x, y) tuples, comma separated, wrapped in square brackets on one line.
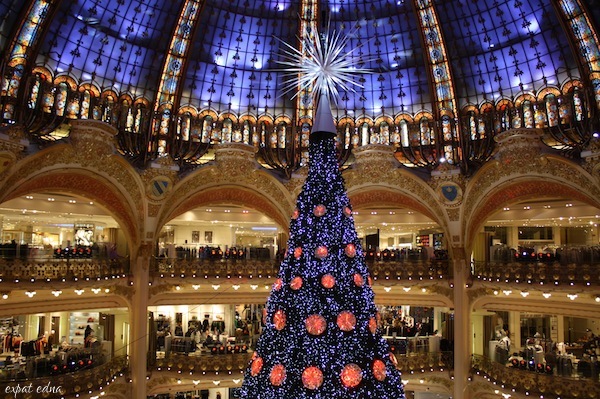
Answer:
[(295, 214), (297, 252), (296, 283), (321, 252), (372, 325), (279, 319), (350, 250), (277, 284), (346, 321), (328, 281), (359, 280), (315, 324), (347, 211), (256, 367), (319, 210), (351, 375), (379, 371), (312, 377), (278, 375)]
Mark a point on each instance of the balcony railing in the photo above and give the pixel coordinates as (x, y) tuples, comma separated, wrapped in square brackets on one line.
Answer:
[(44, 269), (554, 273), (67, 385), (529, 382), (253, 268)]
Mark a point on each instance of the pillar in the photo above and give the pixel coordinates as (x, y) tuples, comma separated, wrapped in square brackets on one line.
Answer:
[(514, 328), (139, 320), (462, 327)]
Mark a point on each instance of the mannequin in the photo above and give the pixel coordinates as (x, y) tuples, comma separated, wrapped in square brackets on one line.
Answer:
[(502, 347)]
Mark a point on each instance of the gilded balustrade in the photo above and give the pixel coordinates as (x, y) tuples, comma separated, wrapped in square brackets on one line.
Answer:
[(67, 385), (553, 273), (32, 269), (252, 268), (529, 382)]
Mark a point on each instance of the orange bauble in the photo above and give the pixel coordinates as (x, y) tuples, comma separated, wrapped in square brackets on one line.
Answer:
[(319, 210), (321, 252), (350, 250), (351, 375), (277, 375), (256, 367), (279, 319), (315, 324), (312, 377), (277, 284), (296, 283), (346, 321), (347, 212), (297, 252), (295, 214), (379, 371), (372, 325), (328, 281), (359, 280)]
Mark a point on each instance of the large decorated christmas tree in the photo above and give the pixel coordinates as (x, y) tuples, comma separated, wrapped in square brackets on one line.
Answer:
[(321, 336)]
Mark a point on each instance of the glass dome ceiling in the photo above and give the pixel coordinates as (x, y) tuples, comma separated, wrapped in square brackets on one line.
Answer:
[(431, 59)]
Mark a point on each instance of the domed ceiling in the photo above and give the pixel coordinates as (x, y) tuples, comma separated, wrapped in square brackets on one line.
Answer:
[(432, 60)]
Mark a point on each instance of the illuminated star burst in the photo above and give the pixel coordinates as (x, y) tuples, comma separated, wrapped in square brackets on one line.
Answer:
[(324, 65)]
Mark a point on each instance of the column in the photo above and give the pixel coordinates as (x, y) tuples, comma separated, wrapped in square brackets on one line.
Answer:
[(514, 327), (462, 326), (139, 320)]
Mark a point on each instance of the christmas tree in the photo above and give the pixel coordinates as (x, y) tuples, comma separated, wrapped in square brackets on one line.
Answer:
[(321, 336)]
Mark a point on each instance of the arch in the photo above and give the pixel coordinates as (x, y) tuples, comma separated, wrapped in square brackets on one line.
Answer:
[(517, 189), (379, 196), (225, 194), (86, 183)]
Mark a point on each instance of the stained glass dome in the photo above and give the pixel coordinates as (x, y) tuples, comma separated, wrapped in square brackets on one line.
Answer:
[(177, 78)]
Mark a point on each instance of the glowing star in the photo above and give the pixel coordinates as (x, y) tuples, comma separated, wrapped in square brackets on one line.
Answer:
[(278, 375), (319, 210), (346, 321), (321, 252), (328, 281), (322, 63), (350, 250), (312, 378), (351, 375), (279, 320), (256, 367), (296, 283), (379, 371), (315, 324)]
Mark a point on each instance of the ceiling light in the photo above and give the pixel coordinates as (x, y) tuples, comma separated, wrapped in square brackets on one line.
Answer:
[(253, 286), (507, 292), (30, 294), (406, 289), (524, 294), (56, 292), (597, 297), (195, 286), (5, 295), (96, 290), (236, 287), (546, 295), (216, 286), (217, 382), (177, 287), (572, 296), (79, 292), (387, 289)]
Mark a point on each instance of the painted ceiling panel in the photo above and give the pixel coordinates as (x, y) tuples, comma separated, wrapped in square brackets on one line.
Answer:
[(111, 41), (9, 10), (504, 48)]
